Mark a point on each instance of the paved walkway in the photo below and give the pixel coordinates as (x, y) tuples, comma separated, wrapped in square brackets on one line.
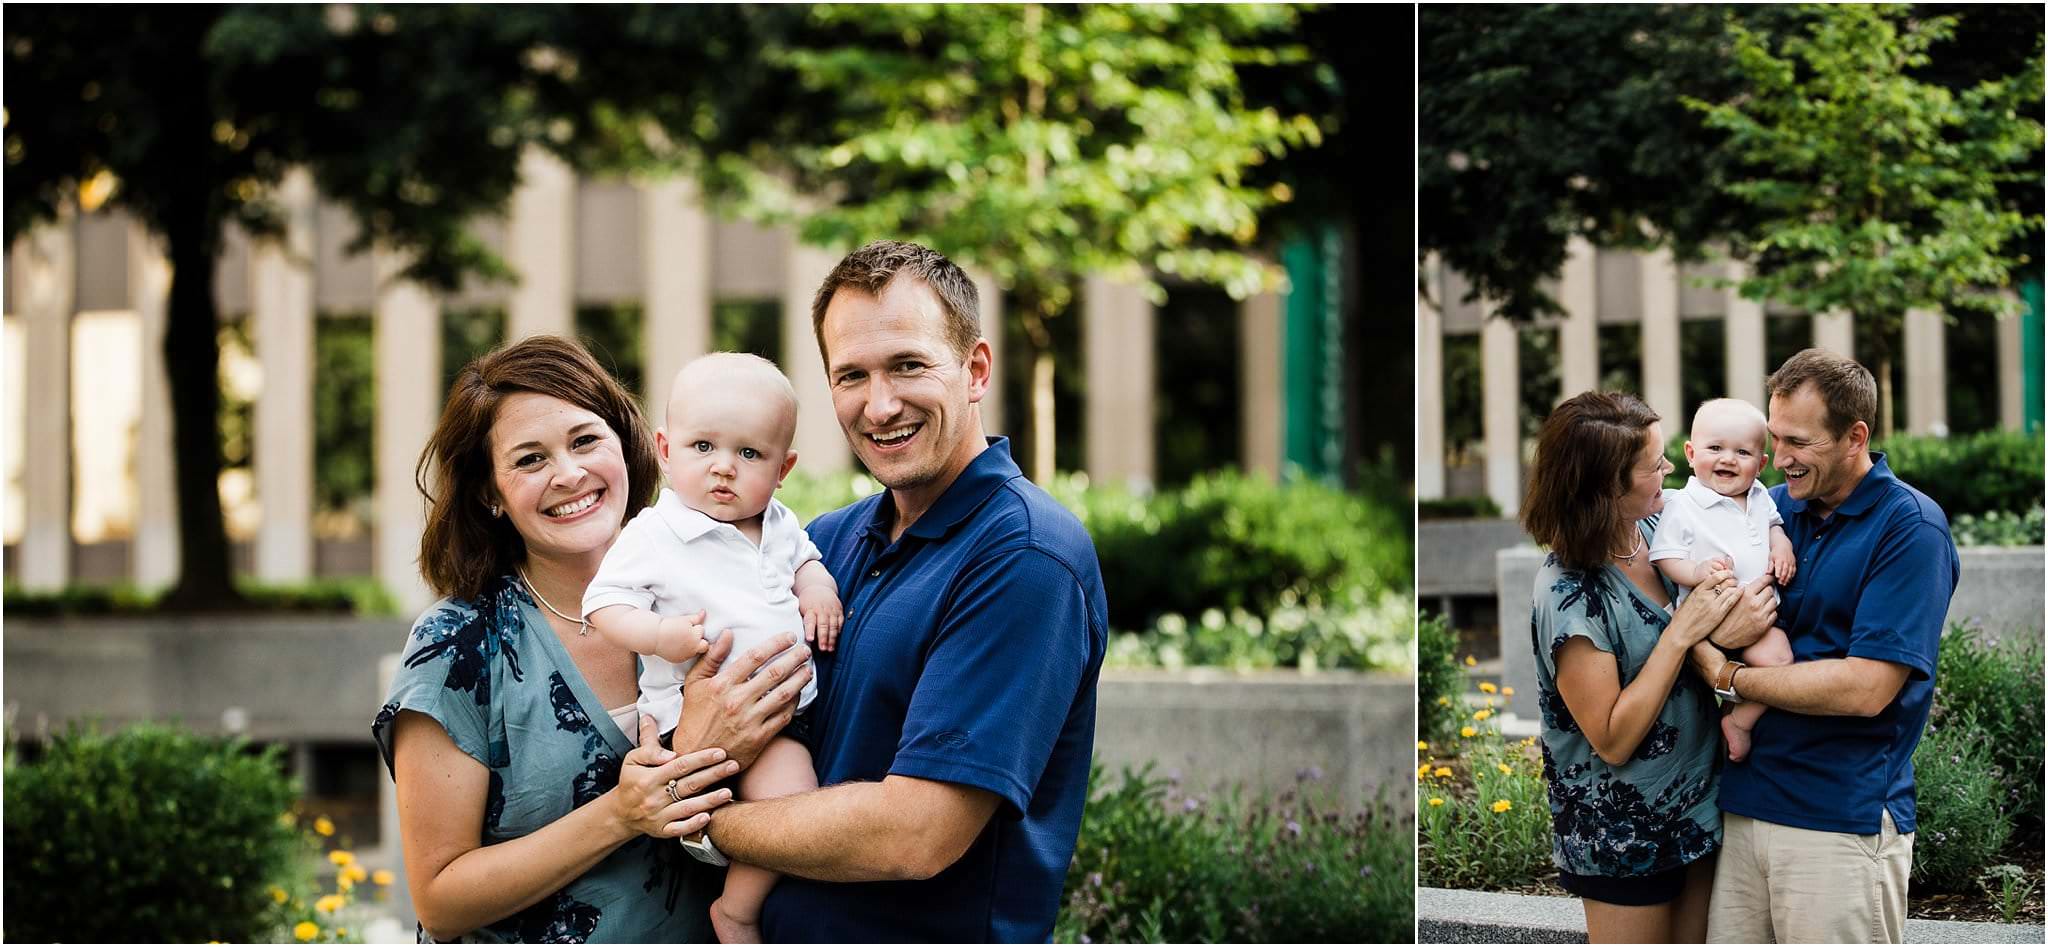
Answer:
[(1484, 917)]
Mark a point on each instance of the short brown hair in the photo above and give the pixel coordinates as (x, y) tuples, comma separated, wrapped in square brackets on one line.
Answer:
[(1585, 457), (871, 268), (1845, 387), (463, 547)]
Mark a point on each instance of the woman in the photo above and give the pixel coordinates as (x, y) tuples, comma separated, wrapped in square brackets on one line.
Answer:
[(1630, 740), (525, 808)]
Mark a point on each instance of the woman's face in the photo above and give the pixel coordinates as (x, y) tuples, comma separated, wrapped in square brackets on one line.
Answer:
[(1645, 496), (560, 475)]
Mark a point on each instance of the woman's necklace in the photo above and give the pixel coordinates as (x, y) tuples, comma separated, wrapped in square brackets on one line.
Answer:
[(582, 627), (1631, 557)]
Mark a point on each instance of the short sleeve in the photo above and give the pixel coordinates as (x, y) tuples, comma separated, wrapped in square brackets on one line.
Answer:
[(631, 570), (445, 672), (1770, 508), (1904, 601), (801, 548), (1000, 679), (1674, 535), (1571, 605)]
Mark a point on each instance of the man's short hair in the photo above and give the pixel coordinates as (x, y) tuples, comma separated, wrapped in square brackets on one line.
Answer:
[(871, 268), (1845, 387)]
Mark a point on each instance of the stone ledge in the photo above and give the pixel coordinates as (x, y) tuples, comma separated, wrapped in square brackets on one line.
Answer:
[(1443, 915)]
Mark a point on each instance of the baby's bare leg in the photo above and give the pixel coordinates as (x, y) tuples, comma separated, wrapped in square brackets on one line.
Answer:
[(782, 769), (1771, 650)]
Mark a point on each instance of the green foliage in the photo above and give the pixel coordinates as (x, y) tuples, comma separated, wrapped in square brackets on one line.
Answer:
[(613, 334), (344, 413), (809, 495), (1154, 864), (1439, 681), (1878, 191), (1457, 508), (1996, 687), (359, 595), (1486, 823), (1998, 528), (1962, 794), (151, 834), (1352, 634), (1965, 474), (2009, 887)]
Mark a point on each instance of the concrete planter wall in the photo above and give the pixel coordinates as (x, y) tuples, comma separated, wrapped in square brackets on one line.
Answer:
[(2000, 590)]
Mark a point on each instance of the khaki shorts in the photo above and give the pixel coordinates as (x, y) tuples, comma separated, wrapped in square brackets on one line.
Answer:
[(1779, 884)]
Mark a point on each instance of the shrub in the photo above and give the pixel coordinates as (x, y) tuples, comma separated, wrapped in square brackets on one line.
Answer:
[(1962, 795), (1439, 681), (1355, 635), (1485, 822), (353, 596), (1997, 688), (150, 834), (1998, 528), (1457, 508), (1153, 864)]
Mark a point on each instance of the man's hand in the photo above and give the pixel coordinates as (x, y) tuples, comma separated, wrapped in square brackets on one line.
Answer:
[(1752, 615), (726, 704), (819, 605)]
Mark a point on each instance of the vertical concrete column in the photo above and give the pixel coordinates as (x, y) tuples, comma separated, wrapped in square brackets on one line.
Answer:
[(1117, 355), (281, 293), (45, 273), (155, 551), (1261, 383), (539, 243), (1578, 336), (1500, 370), (1926, 373), (818, 437), (676, 258), (408, 352), (990, 320), (1661, 389), (1429, 381), (1835, 331), (2012, 386), (1743, 326)]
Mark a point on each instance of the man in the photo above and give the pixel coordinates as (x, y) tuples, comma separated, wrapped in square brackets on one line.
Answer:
[(1819, 821), (955, 723)]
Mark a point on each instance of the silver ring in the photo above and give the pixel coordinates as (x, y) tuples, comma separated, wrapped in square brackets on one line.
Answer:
[(672, 797)]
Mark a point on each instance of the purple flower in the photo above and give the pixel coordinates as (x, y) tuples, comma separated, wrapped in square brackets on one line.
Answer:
[(1309, 775), (1095, 879), (1085, 940), (1173, 776), (1365, 872), (1293, 828), (1190, 805)]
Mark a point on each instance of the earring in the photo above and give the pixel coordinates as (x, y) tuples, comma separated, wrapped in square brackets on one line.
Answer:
[(495, 511)]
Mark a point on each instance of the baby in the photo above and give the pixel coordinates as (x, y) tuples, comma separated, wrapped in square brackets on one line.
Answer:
[(1724, 519), (717, 551)]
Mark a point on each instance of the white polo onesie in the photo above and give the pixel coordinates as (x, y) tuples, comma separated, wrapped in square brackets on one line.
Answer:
[(673, 560), (1699, 524)]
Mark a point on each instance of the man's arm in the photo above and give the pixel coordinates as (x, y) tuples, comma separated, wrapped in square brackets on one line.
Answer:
[(899, 829), (1832, 687)]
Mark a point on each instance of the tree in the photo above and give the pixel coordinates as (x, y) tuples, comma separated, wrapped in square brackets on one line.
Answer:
[(412, 117), (1878, 192), (1042, 143)]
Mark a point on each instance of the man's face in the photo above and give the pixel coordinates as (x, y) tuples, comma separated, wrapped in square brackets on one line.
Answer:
[(1819, 467), (901, 393)]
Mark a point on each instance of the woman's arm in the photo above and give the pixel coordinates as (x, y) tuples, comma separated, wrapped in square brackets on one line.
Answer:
[(458, 884), (1614, 718)]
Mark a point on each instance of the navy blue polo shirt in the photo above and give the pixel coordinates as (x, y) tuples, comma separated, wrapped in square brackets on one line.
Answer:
[(1874, 581), (969, 655)]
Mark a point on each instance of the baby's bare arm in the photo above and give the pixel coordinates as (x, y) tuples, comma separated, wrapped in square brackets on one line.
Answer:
[(1682, 571), (674, 638), (817, 597)]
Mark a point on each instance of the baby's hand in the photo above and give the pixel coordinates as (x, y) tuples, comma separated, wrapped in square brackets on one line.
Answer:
[(822, 617), (1711, 566), (680, 638), (1783, 565)]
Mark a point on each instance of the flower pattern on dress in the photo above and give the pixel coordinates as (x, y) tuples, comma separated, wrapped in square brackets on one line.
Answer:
[(465, 638), (557, 920)]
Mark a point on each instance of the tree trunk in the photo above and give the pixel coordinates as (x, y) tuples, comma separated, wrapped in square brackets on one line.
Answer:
[(192, 361), (1038, 352)]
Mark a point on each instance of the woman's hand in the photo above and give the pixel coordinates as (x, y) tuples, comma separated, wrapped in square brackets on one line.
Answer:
[(728, 705), (658, 791), (1702, 611)]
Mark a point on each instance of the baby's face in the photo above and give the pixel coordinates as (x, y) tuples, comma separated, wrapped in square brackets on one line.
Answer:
[(725, 451), (1726, 454)]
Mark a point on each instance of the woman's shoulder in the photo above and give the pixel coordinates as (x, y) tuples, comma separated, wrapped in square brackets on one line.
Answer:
[(488, 626)]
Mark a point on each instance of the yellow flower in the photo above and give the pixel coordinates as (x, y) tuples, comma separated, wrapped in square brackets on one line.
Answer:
[(1486, 687), (341, 932), (383, 876), (341, 856), (1436, 800), (1489, 702), (1507, 692), (1505, 769), (1502, 805), (1471, 661), (306, 930), (355, 872), (1443, 772), (1467, 732), (1422, 744), (324, 826), (1422, 771), (1443, 702), (1482, 715), (342, 882), (328, 904), (277, 894)]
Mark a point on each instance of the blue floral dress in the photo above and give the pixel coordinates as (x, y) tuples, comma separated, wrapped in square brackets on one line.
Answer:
[(493, 674), (1659, 810)]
